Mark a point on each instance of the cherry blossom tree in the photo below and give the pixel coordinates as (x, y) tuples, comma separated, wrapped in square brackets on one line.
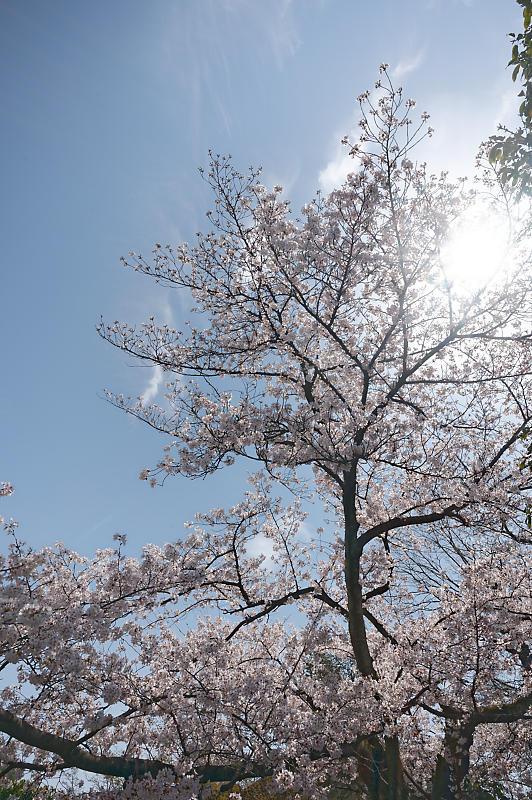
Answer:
[(388, 653)]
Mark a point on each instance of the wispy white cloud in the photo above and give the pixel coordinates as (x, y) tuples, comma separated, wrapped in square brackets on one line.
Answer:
[(306, 532), (287, 180), (99, 524), (507, 111), (336, 169), (461, 126), (261, 546), (439, 3), (156, 380), (154, 384), (282, 32), (203, 38), (407, 65), (275, 20)]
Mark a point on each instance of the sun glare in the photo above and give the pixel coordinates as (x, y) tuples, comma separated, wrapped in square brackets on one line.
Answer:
[(477, 250)]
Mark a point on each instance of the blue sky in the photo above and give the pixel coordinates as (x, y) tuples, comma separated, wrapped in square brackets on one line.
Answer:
[(109, 107)]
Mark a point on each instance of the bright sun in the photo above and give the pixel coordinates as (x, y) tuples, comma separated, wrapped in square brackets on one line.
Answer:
[(477, 249)]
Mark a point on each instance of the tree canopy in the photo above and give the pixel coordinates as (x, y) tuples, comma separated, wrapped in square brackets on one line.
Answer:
[(383, 652), (514, 150)]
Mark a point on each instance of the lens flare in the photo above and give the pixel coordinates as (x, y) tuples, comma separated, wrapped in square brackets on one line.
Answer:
[(477, 250)]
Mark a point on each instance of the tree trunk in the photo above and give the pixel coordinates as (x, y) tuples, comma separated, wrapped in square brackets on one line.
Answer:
[(381, 771), (452, 768), (357, 627)]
